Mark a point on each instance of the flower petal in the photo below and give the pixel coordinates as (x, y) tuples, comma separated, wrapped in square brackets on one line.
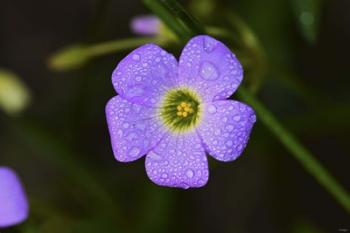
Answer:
[(134, 129), (210, 67), (145, 25), (225, 128), (13, 201), (178, 161), (145, 74)]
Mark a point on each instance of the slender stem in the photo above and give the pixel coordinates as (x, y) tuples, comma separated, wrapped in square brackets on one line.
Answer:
[(309, 162), (166, 16), (118, 45), (193, 27)]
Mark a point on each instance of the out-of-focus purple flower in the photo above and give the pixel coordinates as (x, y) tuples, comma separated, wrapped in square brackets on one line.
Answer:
[(176, 112), (146, 25), (13, 201)]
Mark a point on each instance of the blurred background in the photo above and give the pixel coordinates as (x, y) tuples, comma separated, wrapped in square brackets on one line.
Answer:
[(54, 134)]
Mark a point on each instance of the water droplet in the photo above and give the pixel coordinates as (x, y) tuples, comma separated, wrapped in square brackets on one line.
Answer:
[(120, 133), (236, 118), (136, 108), (253, 118), (208, 71), (134, 151), (164, 175), (140, 125), (136, 57), (154, 155), (138, 78), (229, 128), (229, 143), (209, 44), (134, 92), (131, 136), (189, 173), (212, 109)]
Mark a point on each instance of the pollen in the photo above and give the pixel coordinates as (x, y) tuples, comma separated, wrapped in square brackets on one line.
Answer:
[(184, 109), (180, 109)]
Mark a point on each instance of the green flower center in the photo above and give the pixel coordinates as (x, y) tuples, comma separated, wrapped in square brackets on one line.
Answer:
[(180, 109)]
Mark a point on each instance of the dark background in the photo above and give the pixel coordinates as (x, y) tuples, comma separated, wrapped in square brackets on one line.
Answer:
[(60, 145)]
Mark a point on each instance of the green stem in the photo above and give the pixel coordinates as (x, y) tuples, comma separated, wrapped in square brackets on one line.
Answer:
[(192, 26), (166, 16), (309, 162), (119, 45)]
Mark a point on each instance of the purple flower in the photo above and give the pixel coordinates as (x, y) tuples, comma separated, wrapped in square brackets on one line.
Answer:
[(175, 113), (13, 201), (145, 25)]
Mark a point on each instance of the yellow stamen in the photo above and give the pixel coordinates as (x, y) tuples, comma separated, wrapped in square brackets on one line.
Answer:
[(187, 109)]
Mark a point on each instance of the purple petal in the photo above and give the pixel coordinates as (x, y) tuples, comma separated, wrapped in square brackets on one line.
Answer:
[(145, 74), (145, 25), (134, 129), (225, 128), (178, 161), (209, 66), (13, 201)]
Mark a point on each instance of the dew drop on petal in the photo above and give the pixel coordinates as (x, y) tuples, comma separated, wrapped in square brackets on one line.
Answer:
[(209, 44), (140, 125), (253, 118), (134, 151), (138, 78), (154, 156), (134, 92), (189, 173), (136, 57), (236, 118), (229, 128), (212, 109), (132, 136), (208, 71), (164, 175), (120, 133)]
